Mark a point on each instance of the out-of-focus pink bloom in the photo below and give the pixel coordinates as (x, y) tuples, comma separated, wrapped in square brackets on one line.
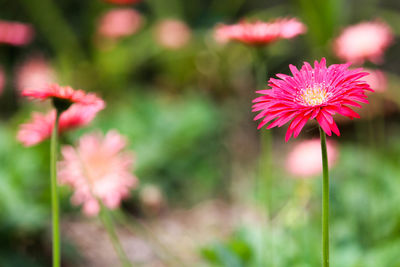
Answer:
[(364, 41), (376, 79), (311, 93), (172, 34), (65, 93), (260, 33), (15, 33), (2, 79), (305, 159), (40, 127), (120, 22), (34, 73), (123, 2), (98, 168)]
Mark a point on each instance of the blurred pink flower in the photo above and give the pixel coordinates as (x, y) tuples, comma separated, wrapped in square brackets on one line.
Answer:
[(123, 2), (15, 33), (260, 33), (376, 79), (98, 168), (120, 22), (66, 93), (364, 41), (172, 34), (305, 159), (34, 73), (41, 125), (2, 79)]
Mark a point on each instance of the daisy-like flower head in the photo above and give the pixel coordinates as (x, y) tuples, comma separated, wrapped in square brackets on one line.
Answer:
[(364, 41), (311, 93), (305, 159), (63, 93), (41, 125), (260, 33), (98, 168)]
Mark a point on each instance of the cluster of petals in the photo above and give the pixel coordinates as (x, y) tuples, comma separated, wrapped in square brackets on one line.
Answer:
[(83, 109), (40, 127), (311, 93), (364, 41), (98, 168), (63, 92), (15, 33), (260, 33), (120, 22), (172, 34), (34, 73), (305, 160)]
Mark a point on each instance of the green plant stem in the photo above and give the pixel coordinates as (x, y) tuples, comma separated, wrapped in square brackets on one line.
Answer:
[(107, 222), (325, 201), (54, 195)]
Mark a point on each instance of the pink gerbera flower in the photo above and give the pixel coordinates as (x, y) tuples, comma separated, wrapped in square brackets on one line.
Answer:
[(305, 159), (364, 41), (311, 93), (66, 93), (98, 168), (260, 33), (41, 125)]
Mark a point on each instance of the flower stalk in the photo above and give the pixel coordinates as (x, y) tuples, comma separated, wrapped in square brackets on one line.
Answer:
[(55, 213), (325, 201), (107, 222)]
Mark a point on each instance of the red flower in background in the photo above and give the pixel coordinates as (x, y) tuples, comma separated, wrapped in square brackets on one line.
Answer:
[(64, 93), (15, 33), (82, 108), (98, 168), (364, 41), (260, 33), (41, 125), (311, 93)]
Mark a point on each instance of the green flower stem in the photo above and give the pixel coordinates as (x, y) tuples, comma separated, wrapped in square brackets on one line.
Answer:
[(54, 194), (107, 222), (264, 181), (325, 201)]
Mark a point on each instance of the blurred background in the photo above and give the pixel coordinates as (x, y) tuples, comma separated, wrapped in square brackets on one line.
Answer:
[(183, 100)]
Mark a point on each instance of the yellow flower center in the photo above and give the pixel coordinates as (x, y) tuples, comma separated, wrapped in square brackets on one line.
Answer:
[(314, 96)]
